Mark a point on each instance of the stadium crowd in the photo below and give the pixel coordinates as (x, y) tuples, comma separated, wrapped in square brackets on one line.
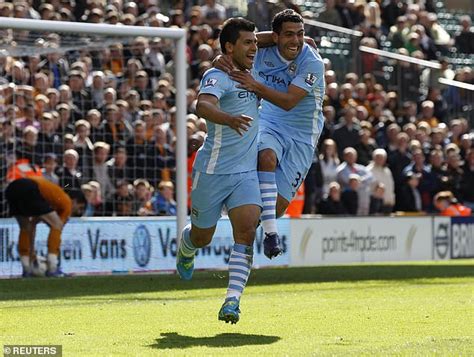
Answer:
[(101, 123)]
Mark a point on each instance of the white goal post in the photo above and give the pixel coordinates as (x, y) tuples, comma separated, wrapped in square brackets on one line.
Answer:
[(179, 35)]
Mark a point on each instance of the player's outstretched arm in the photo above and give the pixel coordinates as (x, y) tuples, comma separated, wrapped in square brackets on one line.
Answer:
[(208, 109), (285, 100)]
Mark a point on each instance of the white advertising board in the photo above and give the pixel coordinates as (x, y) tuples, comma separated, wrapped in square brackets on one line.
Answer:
[(101, 246), (356, 239)]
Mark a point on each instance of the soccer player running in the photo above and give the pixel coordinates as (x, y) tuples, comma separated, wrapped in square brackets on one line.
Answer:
[(225, 169), (290, 80), (32, 200)]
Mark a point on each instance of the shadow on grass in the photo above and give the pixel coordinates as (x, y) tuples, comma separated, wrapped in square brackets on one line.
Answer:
[(175, 340), (58, 288)]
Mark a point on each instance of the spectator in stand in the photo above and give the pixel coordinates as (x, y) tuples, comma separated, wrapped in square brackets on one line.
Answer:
[(377, 200), (29, 119), (387, 137), (391, 10), (49, 167), (446, 203), (28, 148), (397, 32), (96, 130), (133, 100), (467, 141), (364, 178), (152, 119), (109, 98), (113, 132), (70, 178), (68, 142), (100, 172), (65, 126), (329, 162), (162, 202), (409, 198), (399, 159), (331, 98), (440, 36), (331, 203), (430, 76), (465, 38), (454, 172), (161, 158), (136, 148), (117, 167), (80, 96), (365, 147), (427, 181), (142, 194), (121, 202), (426, 43), (142, 86), (83, 144), (438, 169), (213, 13), (55, 64), (96, 89), (94, 206), (350, 195), (383, 175), (330, 15), (48, 140), (346, 134), (455, 131)]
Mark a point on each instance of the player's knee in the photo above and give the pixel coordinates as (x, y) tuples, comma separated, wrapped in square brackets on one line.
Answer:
[(245, 235), (201, 240), (267, 160)]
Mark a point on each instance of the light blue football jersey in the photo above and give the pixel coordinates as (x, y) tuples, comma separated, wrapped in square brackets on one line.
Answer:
[(224, 151), (305, 121)]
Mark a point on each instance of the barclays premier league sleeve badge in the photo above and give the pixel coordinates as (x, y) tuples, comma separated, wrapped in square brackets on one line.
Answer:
[(211, 82), (310, 79)]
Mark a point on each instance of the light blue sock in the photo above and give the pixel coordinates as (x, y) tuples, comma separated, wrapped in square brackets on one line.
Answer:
[(240, 264), (269, 192), (187, 247)]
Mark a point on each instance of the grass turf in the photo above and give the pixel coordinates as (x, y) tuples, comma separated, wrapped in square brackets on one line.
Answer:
[(403, 309)]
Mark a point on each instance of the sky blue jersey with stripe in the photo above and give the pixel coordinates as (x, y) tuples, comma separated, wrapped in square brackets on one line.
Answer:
[(305, 121), (224, 151)]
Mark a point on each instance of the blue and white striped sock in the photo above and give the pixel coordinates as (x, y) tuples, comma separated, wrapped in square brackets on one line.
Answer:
[(240, 263), (269, 192), (187, 247)]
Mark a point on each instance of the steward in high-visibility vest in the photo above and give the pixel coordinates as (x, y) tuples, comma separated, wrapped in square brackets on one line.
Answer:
[(295, 208), (448, 206), (23, 168)]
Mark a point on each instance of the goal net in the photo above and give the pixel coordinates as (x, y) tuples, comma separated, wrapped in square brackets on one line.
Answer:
[(100, 109)]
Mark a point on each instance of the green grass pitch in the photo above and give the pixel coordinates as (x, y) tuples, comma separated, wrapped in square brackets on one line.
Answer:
[(392, 309)]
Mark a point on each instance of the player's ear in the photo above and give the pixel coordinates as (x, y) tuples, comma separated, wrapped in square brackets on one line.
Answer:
[(229, 48), (275, 37)]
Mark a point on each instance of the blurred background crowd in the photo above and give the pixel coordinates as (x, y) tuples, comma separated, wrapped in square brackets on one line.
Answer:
[(98, 117)]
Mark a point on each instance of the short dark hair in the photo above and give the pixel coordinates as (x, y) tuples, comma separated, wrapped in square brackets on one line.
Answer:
[(287, 15), (231, 30)]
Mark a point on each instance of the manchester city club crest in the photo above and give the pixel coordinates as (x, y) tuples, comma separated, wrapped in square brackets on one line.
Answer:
[(142, 246), (292, 68)]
